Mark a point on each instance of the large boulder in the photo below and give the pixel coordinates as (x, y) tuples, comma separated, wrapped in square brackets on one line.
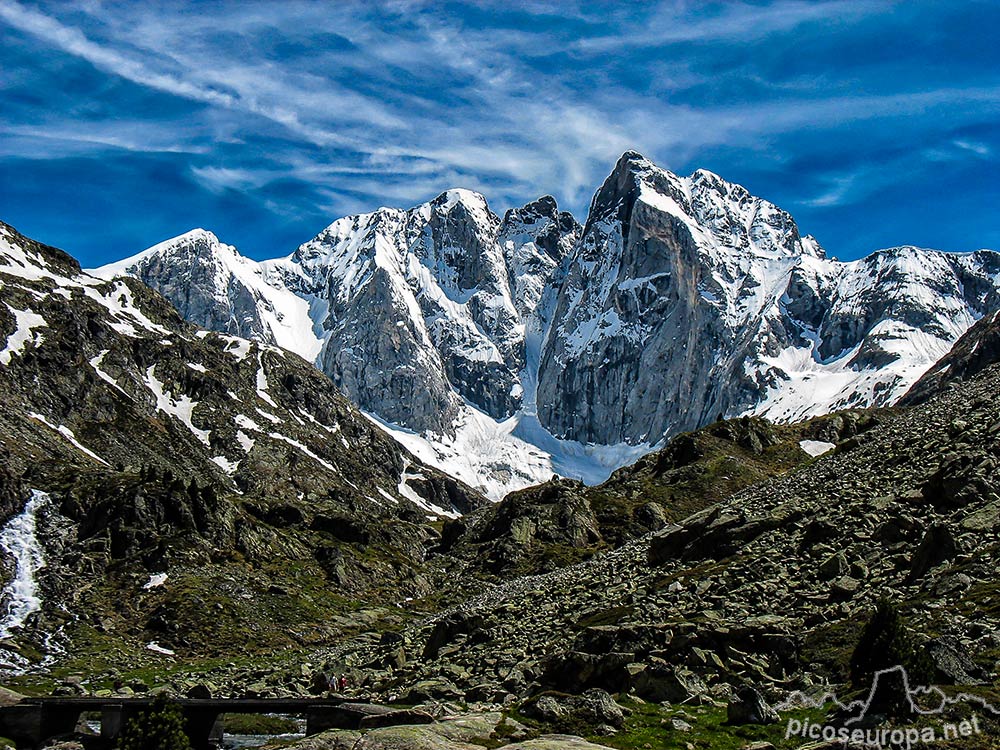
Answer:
[(937, 546), (574, 670), (664, 682), (449, 628), (952, 663), (748, 706), (595, 707)]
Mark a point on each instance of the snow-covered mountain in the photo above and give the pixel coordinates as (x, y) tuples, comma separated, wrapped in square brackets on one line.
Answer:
[(689, 298), (505, 350), (215, 287), (104, 373)]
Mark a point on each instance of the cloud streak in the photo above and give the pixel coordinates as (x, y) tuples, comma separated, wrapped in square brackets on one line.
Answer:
[(316, 109)]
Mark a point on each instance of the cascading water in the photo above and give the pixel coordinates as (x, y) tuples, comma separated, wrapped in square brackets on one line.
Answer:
[(19, 539)]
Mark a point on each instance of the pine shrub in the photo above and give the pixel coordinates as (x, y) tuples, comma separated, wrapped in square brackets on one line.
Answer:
[(160, 727)]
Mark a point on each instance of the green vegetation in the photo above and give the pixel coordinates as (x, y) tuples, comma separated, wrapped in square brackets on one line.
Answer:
[(885, 643), (830, 645), (258, 724), (160, 727), (650, 726)]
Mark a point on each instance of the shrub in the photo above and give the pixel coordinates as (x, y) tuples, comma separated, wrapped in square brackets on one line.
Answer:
[(160, 727), (886, 643)]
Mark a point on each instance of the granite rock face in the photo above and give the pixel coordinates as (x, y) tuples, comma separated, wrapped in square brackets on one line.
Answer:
[(688, 298), (411, 313)]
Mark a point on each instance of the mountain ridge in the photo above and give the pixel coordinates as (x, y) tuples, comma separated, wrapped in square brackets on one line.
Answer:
[(505, 350)]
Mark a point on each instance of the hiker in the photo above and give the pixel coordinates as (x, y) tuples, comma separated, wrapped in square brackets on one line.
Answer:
[(342, 683)]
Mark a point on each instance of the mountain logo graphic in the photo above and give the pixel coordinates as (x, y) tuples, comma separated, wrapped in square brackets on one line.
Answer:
[(920, 700)]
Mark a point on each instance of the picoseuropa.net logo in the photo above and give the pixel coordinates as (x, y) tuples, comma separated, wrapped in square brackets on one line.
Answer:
[(884, 737), (861, 723)]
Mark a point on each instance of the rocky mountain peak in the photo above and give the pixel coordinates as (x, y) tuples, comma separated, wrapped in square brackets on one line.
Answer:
[(212, 285), (542, 223), (616, 196), (675, 275), (194, 246), (543, 206), (505, 344), (469, 200), (20, 254)]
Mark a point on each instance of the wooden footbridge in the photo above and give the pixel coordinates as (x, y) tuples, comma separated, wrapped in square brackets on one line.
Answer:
[(33, 721)]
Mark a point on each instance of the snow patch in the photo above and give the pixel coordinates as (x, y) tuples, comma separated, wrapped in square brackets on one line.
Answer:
[(242, 420), (67, 433), (502, 456), (96, 362), (262, 382), (410, 494), (119, 301), (26, 323), (325, 464), (270, 417), (816, 447), (246, 442), (181, 408), (387, 496), (225, 464), (156, 580), (237, 347)]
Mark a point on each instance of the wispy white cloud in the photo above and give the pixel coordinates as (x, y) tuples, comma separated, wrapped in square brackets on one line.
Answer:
[(980, 149), (76, 43), (860, 182), (734, 21), (61, 141), (361, 104)]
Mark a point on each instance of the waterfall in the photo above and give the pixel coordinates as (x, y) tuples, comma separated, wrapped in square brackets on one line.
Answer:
[(19, 539)]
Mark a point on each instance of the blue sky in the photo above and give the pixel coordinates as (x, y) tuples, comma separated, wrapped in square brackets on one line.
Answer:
[(122, 124)]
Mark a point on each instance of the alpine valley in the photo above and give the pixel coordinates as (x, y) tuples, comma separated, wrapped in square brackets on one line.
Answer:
[(659, 479)]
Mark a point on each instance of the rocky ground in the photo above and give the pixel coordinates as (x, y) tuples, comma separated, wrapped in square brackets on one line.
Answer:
[(770, 587)]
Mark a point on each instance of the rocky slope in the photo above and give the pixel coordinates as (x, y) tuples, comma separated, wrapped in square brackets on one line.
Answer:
[(768, 587), (506, 350), (155, 448), (549, 526)]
